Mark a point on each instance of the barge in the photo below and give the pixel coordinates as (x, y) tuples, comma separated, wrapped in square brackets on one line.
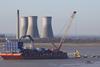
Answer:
[(33, 53)]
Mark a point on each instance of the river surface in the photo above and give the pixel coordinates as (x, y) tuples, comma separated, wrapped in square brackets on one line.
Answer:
[(49, 63), (90, 62)]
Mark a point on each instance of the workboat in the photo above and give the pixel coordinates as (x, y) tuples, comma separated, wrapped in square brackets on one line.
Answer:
[(15, 50), (34, 54)]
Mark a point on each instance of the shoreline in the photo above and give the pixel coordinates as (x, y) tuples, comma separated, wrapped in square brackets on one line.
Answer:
[(69, 44)]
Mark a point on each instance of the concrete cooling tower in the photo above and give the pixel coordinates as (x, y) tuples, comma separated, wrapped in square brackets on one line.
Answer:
[(23, 25), (32, 27), (47, 31)]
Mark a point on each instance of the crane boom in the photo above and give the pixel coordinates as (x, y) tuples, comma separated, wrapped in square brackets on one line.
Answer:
[(67, 28)]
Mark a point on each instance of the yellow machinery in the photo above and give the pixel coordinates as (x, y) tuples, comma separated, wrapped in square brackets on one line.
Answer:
[(77, 54)]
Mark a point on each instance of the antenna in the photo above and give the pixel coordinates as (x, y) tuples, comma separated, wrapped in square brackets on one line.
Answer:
[(67, 28)]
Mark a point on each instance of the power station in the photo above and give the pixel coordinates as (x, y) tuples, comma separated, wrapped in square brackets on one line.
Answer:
[(47, 31), (28, 26), (32, 27), (23, 26)]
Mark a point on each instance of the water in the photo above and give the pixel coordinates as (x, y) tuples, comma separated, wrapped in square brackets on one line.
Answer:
[(93, 62), (48, 63)]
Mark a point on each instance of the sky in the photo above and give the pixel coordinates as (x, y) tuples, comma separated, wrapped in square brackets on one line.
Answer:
[(86, 21)]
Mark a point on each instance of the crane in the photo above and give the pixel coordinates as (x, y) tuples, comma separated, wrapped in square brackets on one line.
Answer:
[(67, 28)]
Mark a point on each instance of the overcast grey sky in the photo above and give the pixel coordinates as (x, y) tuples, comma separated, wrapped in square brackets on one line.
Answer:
[(86, 22)]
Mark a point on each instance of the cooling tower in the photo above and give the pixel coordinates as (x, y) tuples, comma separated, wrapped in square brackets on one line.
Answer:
[(23, 25), (32, 27), (47, 31)]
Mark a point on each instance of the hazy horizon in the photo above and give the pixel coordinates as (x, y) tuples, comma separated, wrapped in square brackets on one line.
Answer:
[(86, 21)]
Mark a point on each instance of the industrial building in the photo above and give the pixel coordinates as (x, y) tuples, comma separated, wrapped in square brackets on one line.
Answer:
[(32, 27), (17, 25), (28, 26), (23, 26), (47, 31)]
